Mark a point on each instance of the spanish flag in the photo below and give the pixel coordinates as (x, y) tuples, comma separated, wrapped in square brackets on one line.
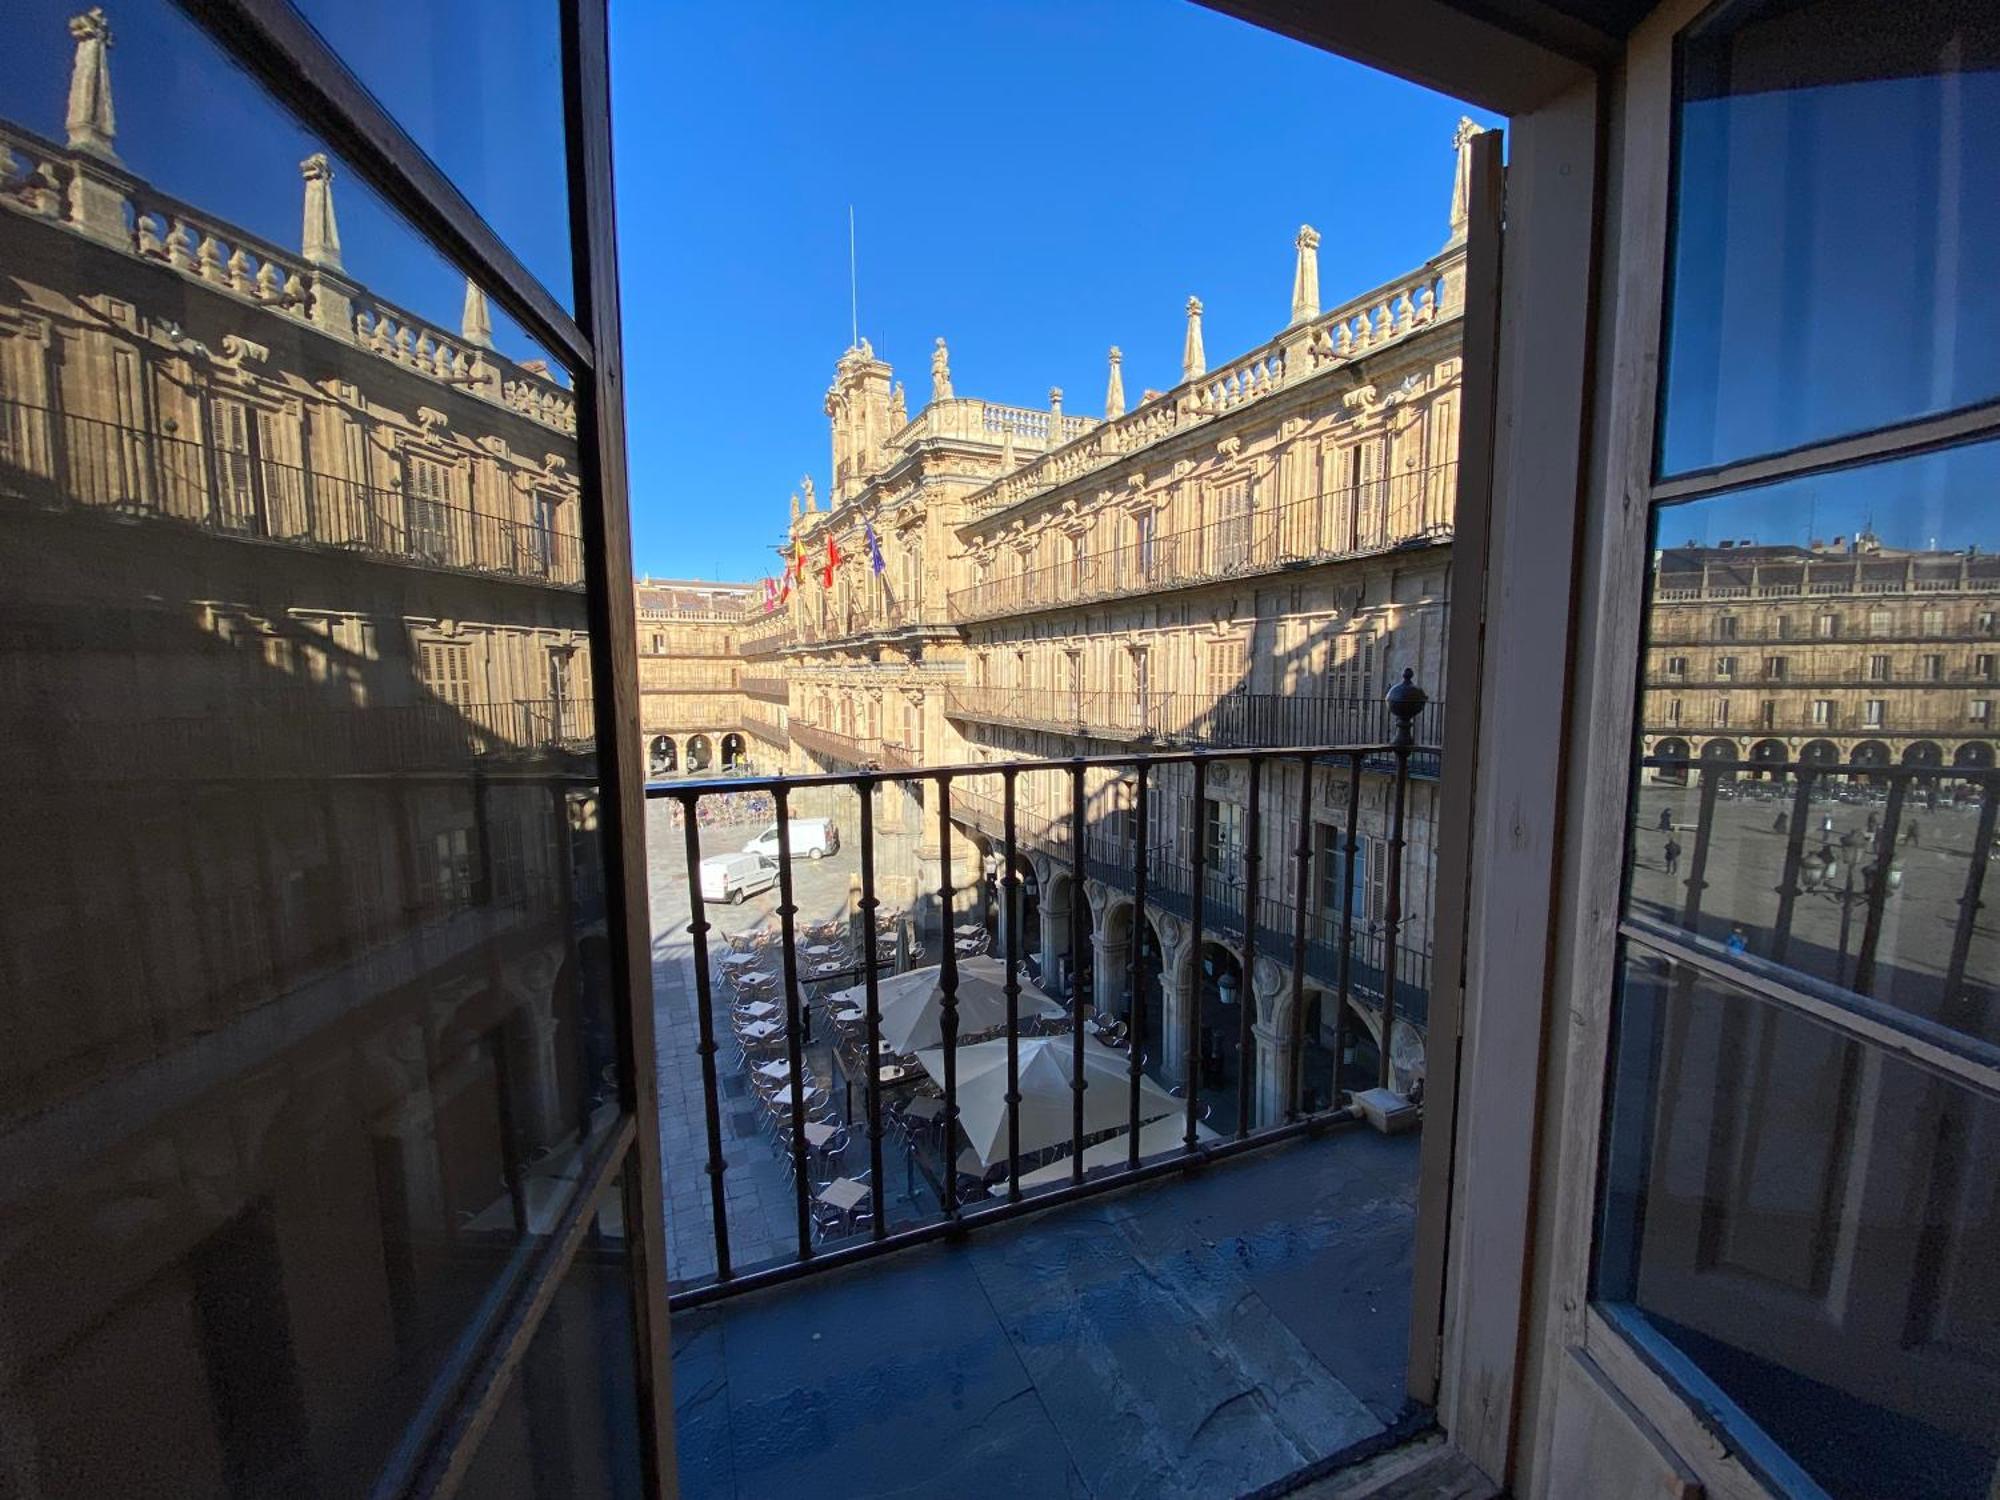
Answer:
[(799, 560)]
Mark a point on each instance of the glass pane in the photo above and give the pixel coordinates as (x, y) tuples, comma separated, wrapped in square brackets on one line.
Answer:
[(1836, 637), (478, 85), (1815, 1225), (307, 1026), (568, 1426), (1836, 262)]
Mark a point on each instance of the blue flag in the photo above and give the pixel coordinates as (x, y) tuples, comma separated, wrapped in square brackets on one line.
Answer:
[(875, 562)]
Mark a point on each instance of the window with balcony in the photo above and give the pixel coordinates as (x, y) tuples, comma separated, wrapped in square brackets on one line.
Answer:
[(1982, 667), (1826, 625), (1933, 668), (445, 668), (1822, 713), (1880, 621), (1725, 666), (1725, 627), (1980, 710), (1677, 666), (1774, 669), (1878, 668), (1873, 713)]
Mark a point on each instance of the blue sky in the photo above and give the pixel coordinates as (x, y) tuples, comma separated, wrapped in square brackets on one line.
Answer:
[(1034, 182)]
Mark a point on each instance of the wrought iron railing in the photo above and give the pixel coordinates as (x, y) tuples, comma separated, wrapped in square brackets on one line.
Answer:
[(785, 1020), (59, 458), (1245, 719), (770, 689), (859, 750), (767, 728)]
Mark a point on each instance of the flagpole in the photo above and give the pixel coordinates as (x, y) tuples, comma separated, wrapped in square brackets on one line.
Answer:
[(853, 283)]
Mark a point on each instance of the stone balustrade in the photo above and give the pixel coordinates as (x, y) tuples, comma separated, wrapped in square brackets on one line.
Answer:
[(1360, 327), (966, 419), (82, 194)]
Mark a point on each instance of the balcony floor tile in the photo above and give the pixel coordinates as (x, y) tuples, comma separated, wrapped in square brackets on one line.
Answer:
[(1199, 1336)]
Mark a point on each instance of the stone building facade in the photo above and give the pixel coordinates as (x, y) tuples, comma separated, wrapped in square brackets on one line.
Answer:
[(692, 712), (1251, 557), (295, 617), (1849, 651)]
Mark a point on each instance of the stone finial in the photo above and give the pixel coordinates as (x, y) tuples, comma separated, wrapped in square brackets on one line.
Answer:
[(1114, 388), (940, 373), (795, 505), (1194, 363), (1461, 182), (1305, 276), (92, 125), (475, 324), (812, 498), (319, 243), (899, 408), (1055, 415)]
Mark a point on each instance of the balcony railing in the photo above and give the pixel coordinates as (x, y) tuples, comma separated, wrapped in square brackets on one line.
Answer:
[(1191, 718), (767, 728), (899, 757), (66, 460), (1409, 509), (843, 1220), (856, 750), (1171, 880), (770, 689), (766, 640)]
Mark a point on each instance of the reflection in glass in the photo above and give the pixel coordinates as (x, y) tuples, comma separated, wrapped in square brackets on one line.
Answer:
[(1822, 658), (1814, 1225), (478, 85), (568, 1426), (1836, 261), (307, 1031)]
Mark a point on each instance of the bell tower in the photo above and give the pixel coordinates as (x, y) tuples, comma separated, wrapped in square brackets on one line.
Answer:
[(858, 404)]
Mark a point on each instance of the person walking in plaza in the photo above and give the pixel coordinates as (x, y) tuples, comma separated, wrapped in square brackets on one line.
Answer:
[(1673, 853), (1782, 822), (1910, 835), (1666, 820)]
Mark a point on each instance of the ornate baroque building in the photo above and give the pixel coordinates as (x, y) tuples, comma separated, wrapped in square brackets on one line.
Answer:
[(294, 618), (1845, 652), (1251, 557), (691, 681)]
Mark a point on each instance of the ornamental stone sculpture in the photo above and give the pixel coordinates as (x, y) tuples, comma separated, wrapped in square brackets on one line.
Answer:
[(940, 373), (1194, 361), (91, 123), (1461, 181), (1305, 276), (319, 242), (1114, 388)]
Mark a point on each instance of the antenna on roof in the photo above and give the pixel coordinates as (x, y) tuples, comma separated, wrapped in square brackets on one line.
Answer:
[(853, 282)]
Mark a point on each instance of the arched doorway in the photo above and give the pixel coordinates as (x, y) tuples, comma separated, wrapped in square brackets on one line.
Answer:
[(1151, 1004), (1218, 982), (1871, 753), (1767, 753), (1820, 753), (661, 757), (1974, 755), (1922, 753), (732, 751), (700, 753), (1082, 962), (1112, 990), (1671, 748)]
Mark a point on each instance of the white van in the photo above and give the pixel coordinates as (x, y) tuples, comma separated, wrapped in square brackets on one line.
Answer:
[(731, 877), (815, 838)]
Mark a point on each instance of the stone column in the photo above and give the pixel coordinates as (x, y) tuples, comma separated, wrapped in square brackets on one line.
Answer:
[(1178, 989), (1270, 992), (1055, 928), (1111, 961)]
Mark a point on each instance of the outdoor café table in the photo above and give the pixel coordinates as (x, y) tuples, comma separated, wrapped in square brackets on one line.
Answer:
[(924, 1107), (821, 950), (818, 1133), (853, 1015), (777, 1070), (893, 1072), (844, 1194), (758, 1010), (738, 960), (758, 1031)]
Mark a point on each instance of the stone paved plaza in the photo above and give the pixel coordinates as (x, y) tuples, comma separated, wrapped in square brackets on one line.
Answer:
[(1746, 866)]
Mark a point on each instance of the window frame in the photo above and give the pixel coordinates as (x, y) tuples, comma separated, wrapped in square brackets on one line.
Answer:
[(280, 49)]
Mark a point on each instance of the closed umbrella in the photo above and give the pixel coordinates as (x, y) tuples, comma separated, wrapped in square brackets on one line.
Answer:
[(1047, 1112), (913, 1005)]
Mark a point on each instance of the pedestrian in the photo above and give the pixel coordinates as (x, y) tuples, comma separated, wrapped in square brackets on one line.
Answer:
[(1910, 835), (1873, 823), (1673, 853), (1666, 820), (1782, 822), (1739, 940), (1826, 826)]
